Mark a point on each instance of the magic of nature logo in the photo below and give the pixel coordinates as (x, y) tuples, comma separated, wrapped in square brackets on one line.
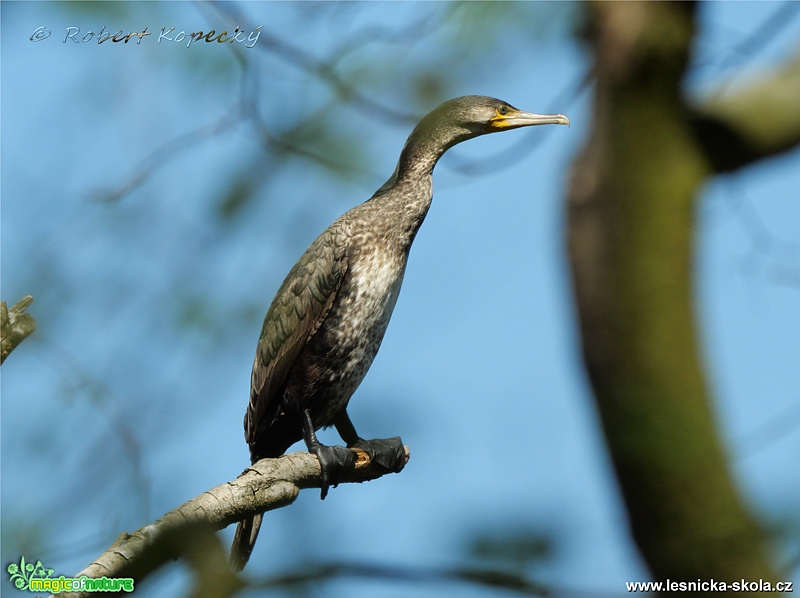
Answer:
[(36, 578)]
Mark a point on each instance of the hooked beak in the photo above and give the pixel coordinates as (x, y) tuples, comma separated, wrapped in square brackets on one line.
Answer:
[(516, 118)]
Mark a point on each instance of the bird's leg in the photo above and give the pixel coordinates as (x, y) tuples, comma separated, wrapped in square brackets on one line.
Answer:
[(389, 453), (335, 461)]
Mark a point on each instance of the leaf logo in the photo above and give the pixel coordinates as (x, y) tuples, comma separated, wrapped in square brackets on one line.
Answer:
[(21, 575)]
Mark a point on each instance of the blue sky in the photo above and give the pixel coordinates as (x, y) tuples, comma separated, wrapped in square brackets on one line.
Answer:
[(129, 399)]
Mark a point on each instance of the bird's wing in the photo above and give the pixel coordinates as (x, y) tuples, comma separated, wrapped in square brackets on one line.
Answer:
[(297, 312)]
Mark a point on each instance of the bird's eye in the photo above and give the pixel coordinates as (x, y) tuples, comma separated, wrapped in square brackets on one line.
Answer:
[(502, 110)]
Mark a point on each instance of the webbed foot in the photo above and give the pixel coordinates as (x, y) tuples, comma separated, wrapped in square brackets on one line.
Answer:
[(335, 462), (389, 453)]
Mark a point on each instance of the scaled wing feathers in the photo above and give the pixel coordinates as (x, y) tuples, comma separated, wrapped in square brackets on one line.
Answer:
[(298, 310)]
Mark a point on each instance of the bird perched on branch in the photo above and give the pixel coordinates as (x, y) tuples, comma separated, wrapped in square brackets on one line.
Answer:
[(328, 319)]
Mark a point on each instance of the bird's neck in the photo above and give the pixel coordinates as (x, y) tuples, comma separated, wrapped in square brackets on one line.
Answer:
[(402, 204), (408, 192), (427, 143), (422, 150)]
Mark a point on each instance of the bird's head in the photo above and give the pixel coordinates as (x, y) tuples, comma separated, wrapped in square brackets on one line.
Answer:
[(478, 115), (457, 120)]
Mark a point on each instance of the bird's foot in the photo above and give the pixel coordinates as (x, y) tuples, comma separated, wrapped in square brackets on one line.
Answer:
[(389, 453), (335, 462)]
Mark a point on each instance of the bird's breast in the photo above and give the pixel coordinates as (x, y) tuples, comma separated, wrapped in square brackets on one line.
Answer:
[(354, 330), (366, 305)]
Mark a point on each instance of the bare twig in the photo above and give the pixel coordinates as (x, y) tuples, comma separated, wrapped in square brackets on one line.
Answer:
[(107, 401), (757, 39), (169, 150), (324, 70)]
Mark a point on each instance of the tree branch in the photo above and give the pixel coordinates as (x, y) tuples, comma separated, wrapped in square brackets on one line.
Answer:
[(15, 325), (759, 121), (269, 484)]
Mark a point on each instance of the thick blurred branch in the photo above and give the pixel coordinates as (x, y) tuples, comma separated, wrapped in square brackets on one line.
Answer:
[(267, 485), (15, 325), (497, 579), (763, 119), (631, 210)]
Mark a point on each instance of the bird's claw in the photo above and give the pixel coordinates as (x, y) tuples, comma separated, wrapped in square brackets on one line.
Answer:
[(335, 462), (389, 453)]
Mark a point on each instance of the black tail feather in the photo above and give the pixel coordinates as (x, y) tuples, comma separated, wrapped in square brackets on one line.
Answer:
[(244, 540)]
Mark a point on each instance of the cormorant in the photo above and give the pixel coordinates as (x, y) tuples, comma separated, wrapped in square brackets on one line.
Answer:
[(327, 320)]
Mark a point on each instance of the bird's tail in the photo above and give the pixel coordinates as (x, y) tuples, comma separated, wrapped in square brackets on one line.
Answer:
[(244, 540)]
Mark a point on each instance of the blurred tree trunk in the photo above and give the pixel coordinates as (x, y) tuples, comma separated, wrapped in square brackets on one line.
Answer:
[(631, 215)]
